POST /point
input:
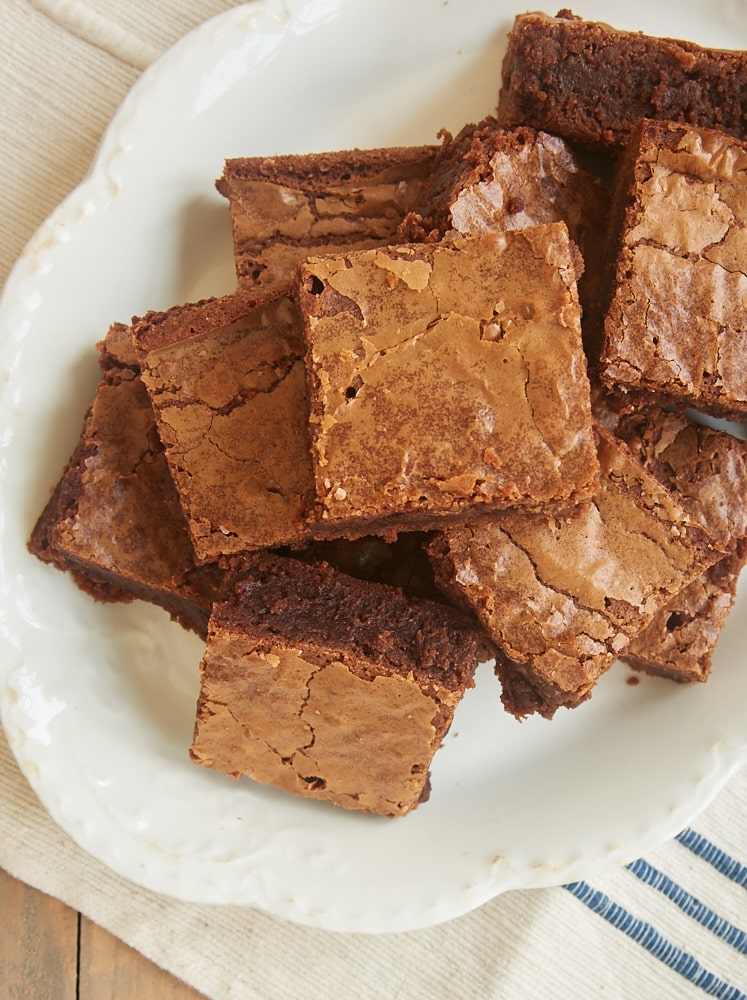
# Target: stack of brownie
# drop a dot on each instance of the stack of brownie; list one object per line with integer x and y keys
{"x": 450, "y": 413}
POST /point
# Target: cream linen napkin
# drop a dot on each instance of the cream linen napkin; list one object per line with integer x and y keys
{"x": 668, "y": 926}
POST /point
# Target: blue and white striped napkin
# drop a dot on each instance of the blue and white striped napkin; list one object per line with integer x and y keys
{"x": 706, "y": 889}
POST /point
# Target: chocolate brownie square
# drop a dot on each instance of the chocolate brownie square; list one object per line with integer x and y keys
{"x": 680, "y": 641}
{"x": 563, "y": 597}
{"x": 676, "y": 327}
{"x": 706, "y": 468}
{"x": 229, "y": 394}
{"x": 446, "y": 380}
{"x": 285, "y": 208}
{"x": 329, "y": 687}
{"x": 592, "y": 83}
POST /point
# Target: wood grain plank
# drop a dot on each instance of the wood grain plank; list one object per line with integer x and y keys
{"x": 110, "y": 968}
{"x": 38, "y": 944}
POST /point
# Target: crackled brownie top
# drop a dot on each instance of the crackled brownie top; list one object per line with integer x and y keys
{"x": 284, "y": 208}
{"x": 447, "y": 378}
{"x": 229, "y": 395}
{"x": 676, "y": 327}
{"x": 329, "y": 687}
{"x": 563, "y": 597}
{"x": 591, "y": 83}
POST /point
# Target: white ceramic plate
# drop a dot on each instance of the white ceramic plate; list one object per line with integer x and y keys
{"x": 98, "y": 701}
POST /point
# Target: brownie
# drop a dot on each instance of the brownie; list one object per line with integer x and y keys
{"x": 229, "y": 394}
{"x": 563, "y": 597}
{"x": 706, "y": 467}
{"x": 676, "y": 326}
{"x": 329, "y": 687}
{"x": 680, "y": 641}
{"x": 284, "y": 208}
{"x": 591, "y": 83}
{"x": 114, "y": 521}
{"x": 446, "y": 380}
{"x": 490, "y": 178}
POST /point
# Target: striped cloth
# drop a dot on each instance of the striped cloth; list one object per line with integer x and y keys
{"x": 672, "y": 924}
{"x": 645, "y": 933}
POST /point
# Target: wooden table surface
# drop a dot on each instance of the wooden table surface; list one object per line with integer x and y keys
{"x": 50, "y": 952}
